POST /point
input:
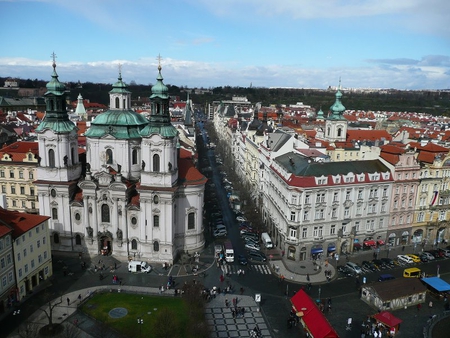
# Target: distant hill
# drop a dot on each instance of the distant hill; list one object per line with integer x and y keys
{"x": 433, "y": 102}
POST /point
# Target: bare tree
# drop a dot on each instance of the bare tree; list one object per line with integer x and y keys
{"x": 51, "y": 328}
{"x": 28, "y": 330}
{"x": 167, "y": 324}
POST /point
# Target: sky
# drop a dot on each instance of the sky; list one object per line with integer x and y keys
{"x": 400, "y": 44}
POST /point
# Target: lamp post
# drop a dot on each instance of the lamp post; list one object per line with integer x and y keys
{"x": 140, "y": 321}
{"x": 438, "y": 266}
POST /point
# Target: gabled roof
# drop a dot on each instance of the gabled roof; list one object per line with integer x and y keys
{"x": 368, "y": 135}
{"x": 18, "y": 150}
{"x": 398, "y": 288}
{"x": 188, "y": 174}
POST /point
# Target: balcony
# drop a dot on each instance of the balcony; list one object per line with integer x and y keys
{"x": 32, "y": 198}
{"x": 32, "y": 210}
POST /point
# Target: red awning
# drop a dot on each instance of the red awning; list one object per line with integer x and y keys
{"x": 313, "y": 319}
{"x": 387, "y": 319}
{"x": 370, "y": 243}
{"x": 380, "y": 242}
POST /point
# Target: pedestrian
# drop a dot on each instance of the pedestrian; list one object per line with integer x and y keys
{"x": 403, "y": 248}
{"x": 419, "y": 306}
{"x": 282, "y": 253}
{"x": 242, "y": 291}
{"x": 329, "y": 300}
{"x": 115, "y": 266}
{"x": 68, "y": 301}
{"x": 307, "y": 277}
{"x": 430, "y": 304}
{"x": 79, "y": 297}
{"x": 234, "y": 302}
{"x": 227, "y": 303}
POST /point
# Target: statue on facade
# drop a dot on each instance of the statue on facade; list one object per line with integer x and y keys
{"x": 88, "y": 167}
{"x": 170, "y": 166}
{"x": 90, "y": 231}
{"x": 119, "y": 234}
{"x": 66, "y": 160}
{"x": 143, "y": 165}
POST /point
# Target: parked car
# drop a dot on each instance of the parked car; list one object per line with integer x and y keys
{"x": 429, "y": 255}
{"x": 345, "y": 271}
{"x": 241, "y": 219}
{"x": 355, "y": 267}
{"x": 388, "y": 262}
{"x": 415, "y": 258}
{"x": 403, "y": 259}
{"x": 435, "y": 253}
{"x": 424, "y": 258}
{"x": 252, "y": 246}
{"x": 444, "y": 252}
{"x": 379, "y": 264}
{"x": 242, "y": 260}
{"x": 220, "y": 233}
{"x": 368, "y": 266}
{"x": 256, "y": 256}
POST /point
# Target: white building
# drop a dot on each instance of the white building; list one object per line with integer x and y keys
{"x": 139, "y": 194}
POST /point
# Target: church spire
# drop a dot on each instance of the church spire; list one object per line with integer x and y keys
{"x": 337, "y": 109}
{"x": 56, "y": 117}
{"x": 159, "y": 121}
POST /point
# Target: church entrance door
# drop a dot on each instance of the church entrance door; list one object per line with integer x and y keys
{"x": 105, "y": 244}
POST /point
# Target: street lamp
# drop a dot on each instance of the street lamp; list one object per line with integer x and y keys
{"x": 140, "y": 321}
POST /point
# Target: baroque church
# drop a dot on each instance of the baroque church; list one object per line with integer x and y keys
{"x": 137, "y": 196}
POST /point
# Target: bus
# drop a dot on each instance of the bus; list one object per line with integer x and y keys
{"x": 412, "y": 272}
{"x": 229, "y": 251}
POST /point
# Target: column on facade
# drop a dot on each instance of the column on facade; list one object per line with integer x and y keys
{"x": 86, "y": 214}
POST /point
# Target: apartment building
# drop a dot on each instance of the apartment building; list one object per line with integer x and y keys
{"x": 18, "y": 165}
{"x": 7, "y": 276}
{"x": 31, "y": 249}
{"x": 317, "y": 208}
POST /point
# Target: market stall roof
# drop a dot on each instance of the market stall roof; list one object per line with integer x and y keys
{"x": 437, "y": 284}
{"x": 387, "y": 319}
{"x": 314, "y": 320}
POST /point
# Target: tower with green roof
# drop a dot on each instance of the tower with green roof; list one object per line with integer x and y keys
{"x": 59, "y": 167}
{"x": 336, "y": 124}
{"x": 159, "y": 141}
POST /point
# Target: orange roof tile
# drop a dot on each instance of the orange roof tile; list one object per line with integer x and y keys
{"x": 18, "y": 150}
{"x": 188, "y": 174}
{"x": 20, "y": 222}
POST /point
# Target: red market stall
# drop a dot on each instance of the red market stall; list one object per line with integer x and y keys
{"x": 311, "y": 317}
{"x": 391, "y": 322}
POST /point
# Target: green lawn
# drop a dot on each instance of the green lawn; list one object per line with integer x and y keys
{"x": 162, "y": 316}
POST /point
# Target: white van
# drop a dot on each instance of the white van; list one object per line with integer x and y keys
{"x": 354, "y": 267}
{"x": 266, "y": 240}
{"x": 138, "y": 266}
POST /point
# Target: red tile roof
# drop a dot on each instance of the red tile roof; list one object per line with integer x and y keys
{"x": 20, "y": 222}
{"x": 188, "y": 174}
{"x": 18, "y": 150}
{"x": 369, "y": 135}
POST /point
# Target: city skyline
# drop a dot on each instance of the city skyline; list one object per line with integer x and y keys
{"x": 209, "y": 43}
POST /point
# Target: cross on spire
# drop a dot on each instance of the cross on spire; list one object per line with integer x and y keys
{"x": 159, "y": 58}
{"x": 53, "y": 55}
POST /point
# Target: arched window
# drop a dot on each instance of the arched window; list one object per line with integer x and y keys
{"x": 55, "y": 213}
{"x": 72, "y": 156}
{"x": 155, "y": 246}
{"x": 109, "y": 156}
{"x": 156, "y": 220}
{"x": 134, "y": 156}
{"x": 328, "y": 131}
{"x": 339, "y": 132}
{"x": 105, "y": 213}
{"x": 124, "y": 102}
{"x": 56, "y": 238}
{"x": 51, "y": 158}
{"x": 117, "y": 102}
{"x": 78, "y": 240}
{"x": 191, "y": 221}
{"x": 134, "y": 244}
{"x": 156, "y": 162}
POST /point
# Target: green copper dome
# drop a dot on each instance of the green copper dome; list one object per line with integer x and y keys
{"x": 120, "y": 86}
{"x": 159, "y": 89}
{"x": 54, "y": 86}
{"x": 56, "y": 118}
{"x": 159, "y": 120}
{"x": 121, "y": 124}
{"x": 337, "y": 109}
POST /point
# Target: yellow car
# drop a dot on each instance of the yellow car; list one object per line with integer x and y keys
{"x": 415, "y": 258}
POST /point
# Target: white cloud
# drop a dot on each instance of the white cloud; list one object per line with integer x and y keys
{"x": 400, "y": 74}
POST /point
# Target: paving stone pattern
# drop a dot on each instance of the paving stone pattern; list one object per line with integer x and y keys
{"x": 223, "y": 324}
